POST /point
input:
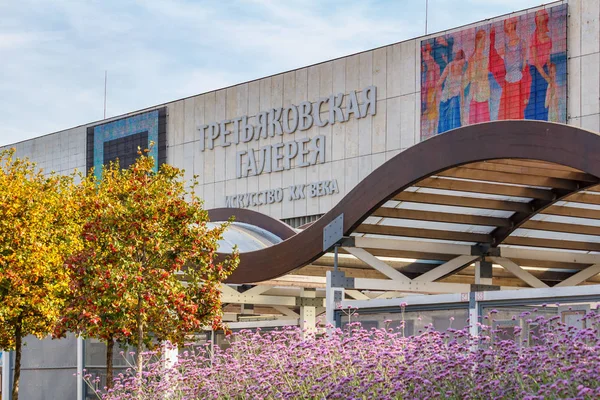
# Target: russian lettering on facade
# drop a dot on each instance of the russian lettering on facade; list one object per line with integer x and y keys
{"x": 294, "y": 192}
{"x": 279, "y": 121}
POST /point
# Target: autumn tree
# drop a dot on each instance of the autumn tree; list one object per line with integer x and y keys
{"x": 38, "y": 229}
{"x": 143, "y": 232}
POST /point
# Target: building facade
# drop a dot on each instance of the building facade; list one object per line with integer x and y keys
{"x": 411, "y": 90}
{"x": 292, "y": 146}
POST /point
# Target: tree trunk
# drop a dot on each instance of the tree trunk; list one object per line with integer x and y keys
{"x": 140, "y": 338}
{"x": 110, "y": 343}
{"x": 18, "y": 346}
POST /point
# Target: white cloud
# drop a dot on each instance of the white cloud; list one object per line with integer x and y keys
{"x": 55, "y": 53}
{"x": 16, "y": 41}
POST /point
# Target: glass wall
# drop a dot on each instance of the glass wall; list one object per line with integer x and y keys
{"x": 95, "y": 363}
{"x": 48, "y": 369}
{"x": 520, "y": 320}
{"x": 201, "y": 343}
{"x": 416, "y": 320}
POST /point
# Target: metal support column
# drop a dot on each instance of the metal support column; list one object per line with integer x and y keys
{"x": 308, "y": 314}
{"x": 473, "y": 314}
{"x": 308, "y": 320}
{"x": 333, "y": 297}
{"x": 7, "y": 375}
{"x": 333, "y": 234}
{"x": 213, "y": 342}
{"x": 483, "y": 273}
{"x": 80, "y": 366}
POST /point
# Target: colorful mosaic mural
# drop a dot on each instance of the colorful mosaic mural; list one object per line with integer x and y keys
{"x": 515, "y": 68}
{"x": 121, "y": 138}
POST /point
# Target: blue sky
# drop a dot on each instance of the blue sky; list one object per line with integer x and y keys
{"x": 53, "y": 53}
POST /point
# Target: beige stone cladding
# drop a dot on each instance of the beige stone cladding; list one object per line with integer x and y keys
{"x": 352, "y": 149}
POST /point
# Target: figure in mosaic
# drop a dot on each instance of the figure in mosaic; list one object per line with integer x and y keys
{"x": 512, "y": 68}
{"x": 512, "y": 73}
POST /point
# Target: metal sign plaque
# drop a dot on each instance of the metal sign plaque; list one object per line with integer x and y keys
{"x": 333, "y": 232}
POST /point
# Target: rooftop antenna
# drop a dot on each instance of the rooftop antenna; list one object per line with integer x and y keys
{"x": 105, "y": 79}
{"x": 426, "y": 14}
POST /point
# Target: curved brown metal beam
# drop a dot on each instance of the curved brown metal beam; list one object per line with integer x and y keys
{"x": 273, "y": 225}
{"x": 557, "y": 143}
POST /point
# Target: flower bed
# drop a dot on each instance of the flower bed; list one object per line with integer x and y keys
{"x": 562, "y": 363}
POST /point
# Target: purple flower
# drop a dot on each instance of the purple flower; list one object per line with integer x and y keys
{"x": 352, "y": 363}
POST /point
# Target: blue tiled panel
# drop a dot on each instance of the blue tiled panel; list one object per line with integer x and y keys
{"x": 146, "y": 122}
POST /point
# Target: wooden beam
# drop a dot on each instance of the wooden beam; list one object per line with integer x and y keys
{"x": 565, "y": 211}
{"x": 545, "y": 275}
{"x": 229, "y": 295}
{"x": 415, "y": 287}
{"x": 411, "y": 270}
{"x": 510, "y": 166}
{"x": 230, "y": 316}
{"x": 551, "y": 271}
{"x": 234, "y": 310}
{"x": 414, "y": 264}
{"x": 580, "y": 276}
{"x": 470, "y": 279}
{"x": 377, "y": 264}
{"x": 561, "y": 264}
{"x": 487, "y": 188}
{"x": 417, "y": 255}
{"x": 446, "y": 249}
{"x": 462, "y": 201}
{"x": 228, "y": 290}
{"x": 505, "y": 177}
{"x": 585, "y": 198}
{"x": 297, "y": 280}
{"x": 536, "y": 164}
{"x": 434, "y": 216}
{"x": 548, "y": 255}
{"x": 560, "y": 227}
{"x": 347, "y": 262}
{"x": 260, "y": 299}
{"x": 286, "y": 311}
{"x": 412, "y": 245}
{"x": 519, "y": 272}
{"x": 505, "y": 279}
{"x": 502, "y": 277}
{"x": 258, "y": 289}
{"x": 537, "y": 205}
{"x": 445, "y": 269}
{"x": 552, "y": 243}
{"x": 390, "y": 295}
{"x": 294, "y": 284}
{"x": 356, "y": 294}
{"x": 424, "y": 233}
{"x": 541, "y": 259}
{"x": 314, "y": 270}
